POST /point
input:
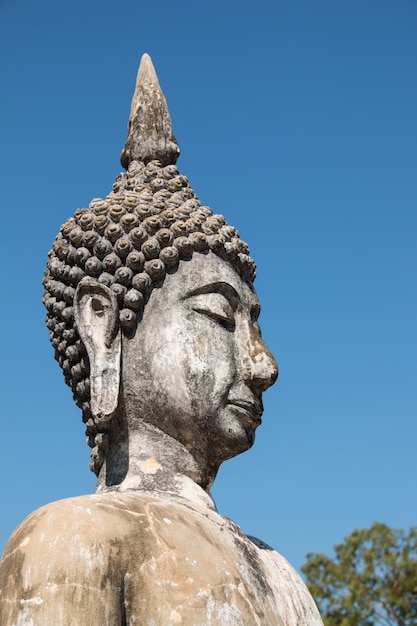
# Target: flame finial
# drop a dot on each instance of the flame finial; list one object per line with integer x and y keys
{"x": 150, "y": 133}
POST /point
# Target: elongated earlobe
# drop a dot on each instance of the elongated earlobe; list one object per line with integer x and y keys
{"x": 97, "y": 318}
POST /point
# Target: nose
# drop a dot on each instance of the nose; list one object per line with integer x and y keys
{"x": 259, "y": 368}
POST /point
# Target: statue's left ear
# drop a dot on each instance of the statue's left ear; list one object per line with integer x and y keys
{"x": 97, "y": 317}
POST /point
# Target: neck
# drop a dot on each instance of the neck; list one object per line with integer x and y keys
{"x": 147, "y": 459}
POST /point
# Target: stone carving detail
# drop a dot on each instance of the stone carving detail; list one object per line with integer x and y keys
{"x": 150, "y": 221}
{"x": 153, "y": 317}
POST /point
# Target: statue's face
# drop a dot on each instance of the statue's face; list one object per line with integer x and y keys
{"x": 197, "y": 366}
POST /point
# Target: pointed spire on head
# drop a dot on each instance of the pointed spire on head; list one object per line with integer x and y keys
{"x": 149, "y": 134}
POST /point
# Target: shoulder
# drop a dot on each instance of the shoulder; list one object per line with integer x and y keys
{"x": 63, "y": 561}
{"x": 73, "y": 524}
{"x": 295, "y": 600}
{"x": 53, "y": 523}
{"x": 54, "y": 539}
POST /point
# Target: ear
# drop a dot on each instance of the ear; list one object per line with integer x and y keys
{"x": 97, "y": 317}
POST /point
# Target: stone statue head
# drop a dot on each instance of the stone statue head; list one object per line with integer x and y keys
{"x": 147, "y": 292}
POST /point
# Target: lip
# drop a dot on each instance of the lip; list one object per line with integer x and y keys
{"x": 250, "y": 411}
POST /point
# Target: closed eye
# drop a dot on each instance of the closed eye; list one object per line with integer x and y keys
{"x": 216, "y": 307}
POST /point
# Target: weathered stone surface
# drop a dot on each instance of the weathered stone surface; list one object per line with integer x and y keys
{"x": 150, "y": 130}
{"x": 153, "y": 317}
{"x": 135, "y": 558}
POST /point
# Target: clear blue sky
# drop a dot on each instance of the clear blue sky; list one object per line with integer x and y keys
{"x": 297, "y": 120}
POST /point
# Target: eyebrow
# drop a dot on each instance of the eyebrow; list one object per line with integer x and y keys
{"x": 222, "y": 288}
{"x": 226, "y": 290}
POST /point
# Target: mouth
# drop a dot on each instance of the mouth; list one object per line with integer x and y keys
{"x": 250, "y": 412}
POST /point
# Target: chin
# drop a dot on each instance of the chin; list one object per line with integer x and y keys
{"x": 233, "y": 441}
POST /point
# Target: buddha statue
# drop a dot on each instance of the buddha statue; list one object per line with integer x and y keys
{"x": 153, "y": 317}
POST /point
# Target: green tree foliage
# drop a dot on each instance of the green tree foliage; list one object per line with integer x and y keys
{"x": 371, "y": 580}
